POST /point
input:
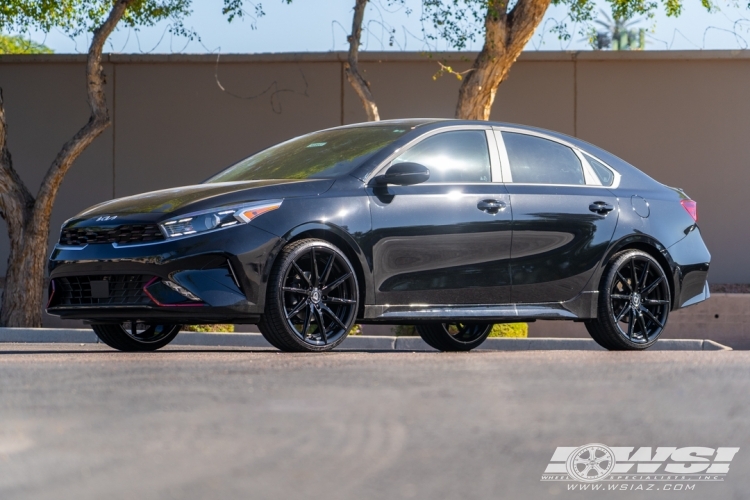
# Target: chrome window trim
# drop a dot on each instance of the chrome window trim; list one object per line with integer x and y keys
{"x": 590, "y": 177}
{"x": 386, "y": 163}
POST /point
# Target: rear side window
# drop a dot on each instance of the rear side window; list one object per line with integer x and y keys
{"x": 604, "y": 174}
{"x": 458, "y": 156}
{"x": 534, "y": 160}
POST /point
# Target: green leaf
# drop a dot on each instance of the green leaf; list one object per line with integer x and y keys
{"x": 74, "y": 17}
{"x": 20, "y": 45}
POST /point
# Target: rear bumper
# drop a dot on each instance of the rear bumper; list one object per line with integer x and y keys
{"x": 704, "y": 295}
{"x": 692, "y": 260}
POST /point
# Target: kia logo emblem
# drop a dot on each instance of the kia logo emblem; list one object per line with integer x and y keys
{"x": 105, "y": 218}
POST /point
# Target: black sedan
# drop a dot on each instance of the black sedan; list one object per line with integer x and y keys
{"x": 448, "y": 225}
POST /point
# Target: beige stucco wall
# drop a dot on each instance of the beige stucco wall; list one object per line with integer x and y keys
{"x": 683, "y": 117}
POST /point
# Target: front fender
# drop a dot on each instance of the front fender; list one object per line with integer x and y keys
{"x": 339, "y": 237}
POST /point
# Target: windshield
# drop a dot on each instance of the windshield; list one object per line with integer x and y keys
{"x": 320, "y": 155}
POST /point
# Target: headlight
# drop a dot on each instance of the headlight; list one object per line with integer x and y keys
{"x": 218, "y": 218}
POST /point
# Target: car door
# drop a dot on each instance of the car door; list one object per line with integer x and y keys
{"x": 447, "y": 240}
{"x": 563, "y": 217}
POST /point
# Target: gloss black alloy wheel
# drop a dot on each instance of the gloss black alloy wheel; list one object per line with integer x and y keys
{"x": 312, "y": 299}
{"x": 454, "y": 336}
{"x": 634, "y": 303}
{"x": 136, "y": 335}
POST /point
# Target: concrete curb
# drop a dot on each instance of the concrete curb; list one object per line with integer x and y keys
{"x": 370, "y": 343}
{"x": 48, "y": 335}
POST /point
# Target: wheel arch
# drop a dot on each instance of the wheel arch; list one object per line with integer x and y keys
{"x": 653, "y": 248}
{"x": 342, "y": 240}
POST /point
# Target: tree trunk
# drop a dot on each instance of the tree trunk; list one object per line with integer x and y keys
{"x": 16, "y": 206}
{"x": 24, "y": 281}
{"x": 359, "y": 84}
{"x": 506, "y": 34}
{"x": 28, "y": 219}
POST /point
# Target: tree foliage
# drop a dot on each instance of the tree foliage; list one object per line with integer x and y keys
{"x": 79, "y": 16}
{"x": 20, "y": 45}
{"x": 462, "y": 22}
{"x": 505, "y": 27}
{"x": 242, "y": 9}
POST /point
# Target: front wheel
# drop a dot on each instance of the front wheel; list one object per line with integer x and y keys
{"x": 634, "y": 303}
{"x": 312, "y": 298}
{"x": 454, "y": 336}
{"x": 136, "y": 336}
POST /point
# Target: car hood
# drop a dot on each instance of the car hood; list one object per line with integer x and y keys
{"x": 202, "y": 196}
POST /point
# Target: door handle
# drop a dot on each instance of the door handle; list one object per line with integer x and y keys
{"x": 491, "y": 206}
{"x": 601, "y": 207}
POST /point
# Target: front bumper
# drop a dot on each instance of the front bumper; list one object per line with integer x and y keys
{"x": 225, "y": 271}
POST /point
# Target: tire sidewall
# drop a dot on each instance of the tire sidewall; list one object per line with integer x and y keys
{"x": 284, "y": 262}
{"x": 606, "y": 292}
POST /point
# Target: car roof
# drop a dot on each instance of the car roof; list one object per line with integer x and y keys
{"x": 451, "y": 122}
{"x": 436, "y": 123}
{"x": 403, "y": 122}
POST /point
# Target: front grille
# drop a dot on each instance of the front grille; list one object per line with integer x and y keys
{"x": 124, "y": 290}
{"x": 122, "y": 235}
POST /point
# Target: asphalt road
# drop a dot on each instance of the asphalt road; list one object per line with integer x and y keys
{"x": 84, "y": 422}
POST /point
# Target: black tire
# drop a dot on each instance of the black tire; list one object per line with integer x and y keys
{"x": 634, "y": 303}
{"x": 312, "y": 283}
{"x": 454, "y": 336}
{"x": 146, "y": 337}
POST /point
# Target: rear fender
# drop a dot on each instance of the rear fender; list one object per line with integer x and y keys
{"x": 652, "y": 247}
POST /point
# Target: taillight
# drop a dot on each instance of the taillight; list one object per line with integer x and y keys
{"x": 691, "y": 207}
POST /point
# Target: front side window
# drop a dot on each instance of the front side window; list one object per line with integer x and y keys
{"x": 457, "y": 156}
{"x": 534, "y": 160}
{"x": 320, "y": 155}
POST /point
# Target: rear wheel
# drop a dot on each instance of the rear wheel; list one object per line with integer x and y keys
{"x": 312, "y": 298}
{"x": 634, "y": 303}
{"x": 136, "y": 336}
{"x": 454, "y": 336}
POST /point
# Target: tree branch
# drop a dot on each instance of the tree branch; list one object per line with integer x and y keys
{"x": 444, "y": 68}
{"x": 360, "y": 85}
{"x": 496, "y": 28}
{"x": 97, "y": 123}
{"x": 523, "y": 20}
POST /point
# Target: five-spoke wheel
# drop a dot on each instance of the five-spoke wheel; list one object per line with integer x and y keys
{"x": 454, "y": 336}
{"x": 312, "y": 298}
{"x": 634, "y": 303}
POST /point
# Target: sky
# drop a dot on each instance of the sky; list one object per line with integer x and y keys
{"x": 322, "y": 25}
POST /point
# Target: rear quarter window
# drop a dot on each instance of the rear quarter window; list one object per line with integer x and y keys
{"x": 604, "y": 174}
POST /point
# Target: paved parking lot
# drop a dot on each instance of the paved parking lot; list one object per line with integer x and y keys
{"x": 85, "y": 422}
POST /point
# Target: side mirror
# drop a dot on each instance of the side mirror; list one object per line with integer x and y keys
{"x": 404, "y": 174}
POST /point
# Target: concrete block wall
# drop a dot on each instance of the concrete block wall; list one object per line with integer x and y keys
{"x": 679, "y": 116}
